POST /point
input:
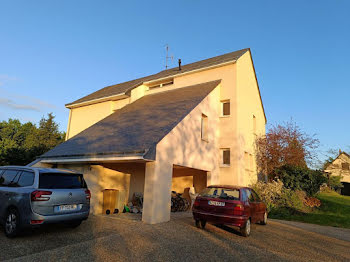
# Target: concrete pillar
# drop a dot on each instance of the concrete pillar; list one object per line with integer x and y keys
{"x": 157, "y": 199}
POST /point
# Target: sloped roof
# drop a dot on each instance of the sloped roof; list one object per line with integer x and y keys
{"x": 125, "y": 86}
{"x": 137, "y": 127}
{"x": 331, "y": 163}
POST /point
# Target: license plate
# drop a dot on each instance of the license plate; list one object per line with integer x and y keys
{"x": 216, "y": 203}
{"x": 67, "y": 207}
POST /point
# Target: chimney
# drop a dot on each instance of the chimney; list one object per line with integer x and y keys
{"x": 340, "y": 151}
{"x": 179, "y": 64}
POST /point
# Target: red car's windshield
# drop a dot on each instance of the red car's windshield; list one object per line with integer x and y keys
{"x": 222, "y": 193}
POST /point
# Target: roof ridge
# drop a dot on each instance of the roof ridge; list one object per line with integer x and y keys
{"x": 123, "y": 87}
{"x": 244, "y": 49}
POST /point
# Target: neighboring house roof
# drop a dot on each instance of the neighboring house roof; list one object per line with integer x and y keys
{"x": 122, "y": 88}
{"x": 344, "y": 154}
{"x": 331, "y": 163}
{"x": 136, "y": 128}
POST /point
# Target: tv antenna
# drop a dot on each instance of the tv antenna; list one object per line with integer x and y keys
{"x": 167, "y": 56}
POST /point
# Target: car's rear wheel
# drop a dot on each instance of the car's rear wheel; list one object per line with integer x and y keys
{"x": 245, "y": 230}
{"x": 12, "y": 223}
{"x": 264, "y": 221}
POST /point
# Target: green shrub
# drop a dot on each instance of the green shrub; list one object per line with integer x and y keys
{"x": 301, "y": 178}
{"x": 334, "y": 183}
{"x": 269, "y": 192}
{"x": 291, "y": 200}
{"x": 277, "y": 197}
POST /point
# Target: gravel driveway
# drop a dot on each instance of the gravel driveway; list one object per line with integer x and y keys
{"x": 114, "y": 239}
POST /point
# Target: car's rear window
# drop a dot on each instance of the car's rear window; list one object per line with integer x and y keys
{"x": 222, "y": 193}
{"x": 61, "y": 181}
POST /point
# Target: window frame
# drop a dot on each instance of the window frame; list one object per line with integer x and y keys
{"x": 43, "y": 180}
{"x": 222, "y": 103}
{"x": 222, "y": 150}
{"x": 249, "y": 194}
{"x": 20, "y": 176}
{"x": 161, "y": 84}
{"x": 204, "y": 128}
{"x": 255, "y": 195}
{"x": 254, "y": 125}
{"x": 205, "y": 193}
{"x": 15, "y": 178}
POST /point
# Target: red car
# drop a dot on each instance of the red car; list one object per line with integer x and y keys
{"x": 229, "y": 205}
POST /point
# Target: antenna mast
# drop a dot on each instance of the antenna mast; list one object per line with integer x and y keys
{"x": 167, "y": 56}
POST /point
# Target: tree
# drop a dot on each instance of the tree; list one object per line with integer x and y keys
{"x": 301, "y": 178}
{"x": 20, "y": 143}
{"x": 283, "y": 145}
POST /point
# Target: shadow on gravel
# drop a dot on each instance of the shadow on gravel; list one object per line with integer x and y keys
{"x": 229, "y": 229}
{"x": 44, "y": 229}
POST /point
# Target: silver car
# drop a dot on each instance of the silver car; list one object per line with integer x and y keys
{"x": 30, "y": 197}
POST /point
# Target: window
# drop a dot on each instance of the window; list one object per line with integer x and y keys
{"x": 204, "y": 128}
{"x": 225, "y": 156}
{"x": 61, "y": 181}
{"x": 225, "y": 107}
{"x": 26, "y": 179}
{"x": 250, "y": 196}
{"x": 345, "y": 166}
{"x": 223, "y": 193}
{"x": 254, "y": 125}
{"x": 244, "y": 195}
{"x": 168, "y": 83}
{"x": 8, "y": 178}
{"x": 256, "y": 196}
{"x": 246, "y": 161}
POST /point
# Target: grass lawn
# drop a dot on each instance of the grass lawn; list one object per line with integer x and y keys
{"x": 334, "y": 211}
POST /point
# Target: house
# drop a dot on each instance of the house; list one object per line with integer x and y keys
{"x": 190, "y": 126}
{"x": 341, "y": 167}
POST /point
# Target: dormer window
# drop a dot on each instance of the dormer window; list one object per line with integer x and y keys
{"x": 167, "y": 83}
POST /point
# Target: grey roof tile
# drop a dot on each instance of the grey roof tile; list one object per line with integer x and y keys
{"x": 137, "y": 127}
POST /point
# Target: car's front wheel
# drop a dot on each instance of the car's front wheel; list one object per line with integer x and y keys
{"x": 245, "y": 230}
{"x": 12, "y": 223}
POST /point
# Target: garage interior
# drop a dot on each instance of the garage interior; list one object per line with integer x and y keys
{"x": 129, "y": 179}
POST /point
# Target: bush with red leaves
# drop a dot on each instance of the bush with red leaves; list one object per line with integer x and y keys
{"x": 312, "y": 202}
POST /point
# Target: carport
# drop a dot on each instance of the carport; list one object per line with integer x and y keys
{"x": 150, "y": 146}
{"x": 185, "y": 178}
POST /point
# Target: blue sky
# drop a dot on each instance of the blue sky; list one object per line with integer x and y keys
{"x": 54, "y": 52}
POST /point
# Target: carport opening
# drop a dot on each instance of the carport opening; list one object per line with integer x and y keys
{"x": 346, "y": 189}
{"x": 188, "y": 182}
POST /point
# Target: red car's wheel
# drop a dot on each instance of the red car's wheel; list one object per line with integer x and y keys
{"x": 245, "y": 230}
{"x": 200, "y": 223}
